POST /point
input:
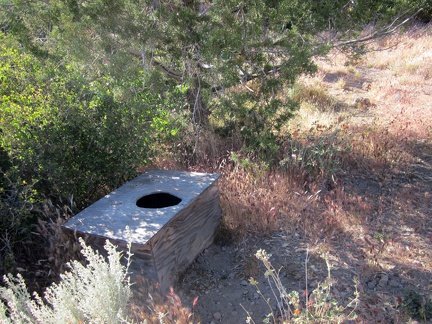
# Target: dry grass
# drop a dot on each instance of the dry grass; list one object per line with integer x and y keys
{"x": 347, "y": 164}
{"x": 278, "y": 201}
{"x": 408, "y": 53}
{"x": 347, "y": 179}
{"x": 148, "y": 306}
{"x": 404, "y": 95}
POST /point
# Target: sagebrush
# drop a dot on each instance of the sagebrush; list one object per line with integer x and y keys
{"x": 94, "y": 293}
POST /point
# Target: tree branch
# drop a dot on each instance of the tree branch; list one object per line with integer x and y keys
{"x": 169, "y": 72}
{"x": 379, "y": 34}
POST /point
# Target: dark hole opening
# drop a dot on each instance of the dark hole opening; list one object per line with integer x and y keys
{"x": 158, "y": 200}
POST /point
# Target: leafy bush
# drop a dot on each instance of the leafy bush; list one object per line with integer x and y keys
{"x": 95, "y": 293}
{"x": 253, "y": 124}
{"x": 72, "y": 135}
{"x": 67, "y": 136}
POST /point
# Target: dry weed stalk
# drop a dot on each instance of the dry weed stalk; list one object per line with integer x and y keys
{"x": 61, "y": 248}
{"x": 317, "y": 306}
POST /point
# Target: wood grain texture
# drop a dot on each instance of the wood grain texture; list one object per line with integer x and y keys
{"x": 165, "y": 241}
{"x": 180, "y": 241}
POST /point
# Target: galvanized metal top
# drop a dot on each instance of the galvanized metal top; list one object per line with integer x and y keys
{"x": 113, "y": 214}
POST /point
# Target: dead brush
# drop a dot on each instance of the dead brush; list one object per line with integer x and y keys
{"x": 376, "y": 151}
{"x": 249, "y": 203}
{"x": 153, "y": 308}
{"x": 274, "y": 200}
{"x": 330, "y": 214}
{"x": 314, "y": 94}
{"x": 317, "y": 153}
{"x": 61, "y": 248}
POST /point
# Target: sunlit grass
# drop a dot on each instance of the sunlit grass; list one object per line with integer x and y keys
{"x": 332, "y": 141}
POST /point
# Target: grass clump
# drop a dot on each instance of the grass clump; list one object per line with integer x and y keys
{"x": 314, "y": 94}
{"x": 318, "y": 152}
{"x": 97, "y": 293}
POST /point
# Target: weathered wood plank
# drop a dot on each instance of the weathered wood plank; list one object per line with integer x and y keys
{"x": 192, "y": 230}
{"x": 165, "y": 240}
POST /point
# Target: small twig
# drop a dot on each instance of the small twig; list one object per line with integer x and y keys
{"x": 143, "y": 55}
{"x": 249, "y": 317}
{"x": 194, "y": 114}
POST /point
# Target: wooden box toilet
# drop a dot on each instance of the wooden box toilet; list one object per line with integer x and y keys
{"x": 169, "y": 217}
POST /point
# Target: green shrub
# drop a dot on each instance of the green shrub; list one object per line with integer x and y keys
{"x": 67, "y": 136}
{"x": 74, "y": 135}
{"x": 95, "y": 293}
{"x": 253, "y": 124}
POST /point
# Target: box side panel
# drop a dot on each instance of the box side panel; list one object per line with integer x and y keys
{"x": 143, "y": 265}
{"x": 180, "y": 241}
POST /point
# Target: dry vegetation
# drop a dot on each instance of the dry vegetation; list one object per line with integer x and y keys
{"x": 355, "y": 174}
{"x": 369, "y": 121}
{"x": 354, "y": 179}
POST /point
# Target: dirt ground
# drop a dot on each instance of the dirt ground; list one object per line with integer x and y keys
{"x": 387, "y": 256}
{"x": 393, "y": 269}
{"x": 388, "y": 259}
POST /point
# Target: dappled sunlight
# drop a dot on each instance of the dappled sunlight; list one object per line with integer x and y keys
{"x": 373, "y": 216}
{"x": 329, "y": 171}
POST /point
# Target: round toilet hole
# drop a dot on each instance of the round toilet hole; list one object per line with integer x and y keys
{"x": 158, "y": 200}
